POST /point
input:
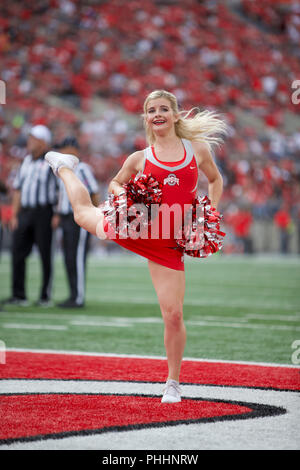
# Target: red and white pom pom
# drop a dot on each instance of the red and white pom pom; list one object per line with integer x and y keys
{"x": 140, "y": 190}
{"x": 202, "y": 236}
{"x": 143, "y": 189}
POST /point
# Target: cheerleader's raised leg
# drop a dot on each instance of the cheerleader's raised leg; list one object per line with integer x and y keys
{"x": 86, "y": 215}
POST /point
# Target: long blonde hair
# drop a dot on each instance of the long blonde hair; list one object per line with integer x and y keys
{"x": 195, "y": 125}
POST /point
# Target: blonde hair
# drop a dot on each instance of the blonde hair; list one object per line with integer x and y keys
{"x": 195, "y": 125}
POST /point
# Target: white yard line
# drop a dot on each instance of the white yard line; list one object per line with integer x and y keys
{"x": 35, "y": 326}
{"x": 243, "y": 325}
{"x": 263, "y": 316}
{"x": 100, "y": 324}
{"x": 139, "y": 356}
{"x": 127, "y": 322}
{"x": 69, "y": 316}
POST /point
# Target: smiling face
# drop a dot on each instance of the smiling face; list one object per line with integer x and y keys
{"x": 160, "y": 117}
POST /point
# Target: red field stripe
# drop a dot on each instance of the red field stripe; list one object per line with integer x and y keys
{"x": 32, "y": 415}
{"x": 32, "y": 365}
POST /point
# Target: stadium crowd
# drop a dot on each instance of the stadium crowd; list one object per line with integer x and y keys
{"x": 239, "y": 59}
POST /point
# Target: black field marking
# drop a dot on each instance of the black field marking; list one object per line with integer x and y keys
{"x": 273, "y": 389}
{"x": 257, "y": 411}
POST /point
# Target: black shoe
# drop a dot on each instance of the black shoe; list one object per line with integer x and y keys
{"x": 18, "y": 301}
{"x": 69, "y": 303}
{"x": 44, "y": 303}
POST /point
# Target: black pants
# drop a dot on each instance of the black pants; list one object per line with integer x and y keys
{"x": 75, "y": 248}
{"x": 34, "y": 227}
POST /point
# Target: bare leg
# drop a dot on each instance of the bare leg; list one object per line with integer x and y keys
{"x": 86, "y": 214}
{"x": 170, "y": 287}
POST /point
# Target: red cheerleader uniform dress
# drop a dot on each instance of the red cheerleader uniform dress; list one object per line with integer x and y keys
{"x": 179, "y": 187}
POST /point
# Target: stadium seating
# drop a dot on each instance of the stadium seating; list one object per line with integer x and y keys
{"x": 60, "y": 58}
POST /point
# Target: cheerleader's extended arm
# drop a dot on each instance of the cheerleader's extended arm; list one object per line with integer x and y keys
{"x": 132, "y": 165}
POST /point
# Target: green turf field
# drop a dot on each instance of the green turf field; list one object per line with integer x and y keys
{"x": 245, "y": 309}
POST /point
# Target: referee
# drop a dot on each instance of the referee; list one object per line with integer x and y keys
{"x": 35, "y": 194}
{"x": 75, "y": 239}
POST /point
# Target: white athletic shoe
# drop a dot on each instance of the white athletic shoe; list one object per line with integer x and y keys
{"x": 172, "y": 392}
{"x": 59, "y": 160}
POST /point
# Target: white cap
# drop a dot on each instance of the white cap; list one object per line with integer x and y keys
{"x": 41, "y": 132}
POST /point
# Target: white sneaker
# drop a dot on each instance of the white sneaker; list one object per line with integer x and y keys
{"x": 59, "y": 160}
{"x": 172, "y": 392}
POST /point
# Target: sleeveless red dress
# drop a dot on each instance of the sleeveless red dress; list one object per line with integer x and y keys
{"x": 179, "y": 180}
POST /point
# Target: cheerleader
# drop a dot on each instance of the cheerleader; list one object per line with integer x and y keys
{"x": 179, "y": 147}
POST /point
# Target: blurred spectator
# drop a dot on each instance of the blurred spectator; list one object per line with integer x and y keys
{"x": 241, "y": 221}
{"x": 239, "y": 58}
{"x": 283, "y": 221}
{"x": 3, "y": 190}
{"x": 298, "y": 227}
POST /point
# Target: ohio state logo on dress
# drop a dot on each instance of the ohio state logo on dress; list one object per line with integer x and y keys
{"x": 171, "y": 180}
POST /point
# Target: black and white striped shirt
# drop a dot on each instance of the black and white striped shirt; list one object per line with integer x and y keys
{"x": 37, "y": 183}
{"x": 85, "y": 174}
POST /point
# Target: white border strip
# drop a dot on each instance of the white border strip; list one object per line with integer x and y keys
{"x": 97, "y": 354}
